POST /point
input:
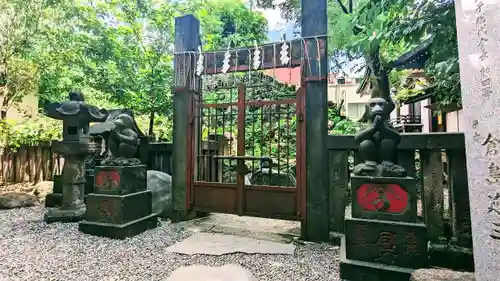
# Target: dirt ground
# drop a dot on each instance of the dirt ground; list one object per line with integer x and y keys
{"x": 17, "y": 187}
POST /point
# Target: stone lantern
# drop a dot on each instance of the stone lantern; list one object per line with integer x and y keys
{"x": 76, "y": 147}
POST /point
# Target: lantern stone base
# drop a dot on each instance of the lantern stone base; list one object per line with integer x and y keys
{"x": 53, "y": 200}
{"x": 65, "y": 215}
{"x": 119, "y": 231}
{"x": 353, "y": 270}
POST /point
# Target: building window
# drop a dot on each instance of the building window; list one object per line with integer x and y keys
{"x": 341, "y": 81}
{"x": 415, "y": 109}
{"x": 359, "y": 80}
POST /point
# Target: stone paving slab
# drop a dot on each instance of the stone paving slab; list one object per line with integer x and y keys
{"x": 220, "y": 244}
{"x": 435, "y": 274}
{"x": 228, "y": 272}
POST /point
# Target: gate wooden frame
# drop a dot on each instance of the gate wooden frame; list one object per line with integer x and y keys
{"x": 313, "y": 181}
{"x": 237, "y": 198}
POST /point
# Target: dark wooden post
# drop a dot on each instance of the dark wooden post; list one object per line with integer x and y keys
{"x": 314, "y": 23}
{"x": 187, "y": 39}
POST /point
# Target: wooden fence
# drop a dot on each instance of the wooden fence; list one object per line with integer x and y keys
{"x": 39, "y": 163}
{"x": 429, "y": 150}
{"x": 29, "y": 164}
{"x": 160, "y": 156}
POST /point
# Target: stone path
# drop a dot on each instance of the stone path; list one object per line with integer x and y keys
{"x": 221, "y": 234}
{"x": 220, "y": 244}
{"x": 229, "y": 272}
{"x": 251, "y": 227}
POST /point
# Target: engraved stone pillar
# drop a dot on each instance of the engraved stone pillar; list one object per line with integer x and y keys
{"x": 479, "y": 45}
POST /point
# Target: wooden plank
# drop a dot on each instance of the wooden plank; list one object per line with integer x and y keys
{"x": 459, "y": 195}
{"x": 406, "y": 159}
{"x": 46, "y": 161}
{"x": 357, "y": 157}
{"x": 409, "y": 141}
{"x": 38, "y": 164}
{"x": 11, "y": 167}
{"x": 18, "y": 166}
{"x": 166, "y": 160}
{"x": 32, "y": 155}
{"x": 160, "y": 146}
{"x": 187, "y": 38}
{"x": 314, "y": 69}
{"x": 3, "y": 164}
{"x": 433, "y": 201}
{"x": 144, "y": 149}
{"x": 338, "y": 183}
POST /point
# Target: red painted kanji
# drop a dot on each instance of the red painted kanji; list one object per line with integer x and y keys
{"x": 107, "y": 179}
{"x": 388, "y": 198}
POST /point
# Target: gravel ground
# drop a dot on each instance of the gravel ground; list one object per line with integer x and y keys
{"x": 33, "y": 250}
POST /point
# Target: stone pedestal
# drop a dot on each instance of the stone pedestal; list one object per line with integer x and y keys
{"x": 72, "y": 207}
{"x": 120, "y": 206}
{"x": 383, "y": 238}
{"x": 54, "y": 199}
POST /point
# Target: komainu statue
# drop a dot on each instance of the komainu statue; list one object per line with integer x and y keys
{"x": 378, "y": 142}
{"x": 123, "y": 142}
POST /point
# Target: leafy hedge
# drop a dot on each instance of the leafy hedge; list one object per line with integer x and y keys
{"x": 35, "y": 131}
{"x": 42, "y": 130}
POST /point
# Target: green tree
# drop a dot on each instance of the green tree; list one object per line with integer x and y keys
{"x": 380, "y": 31}
{"x": 19, "y": 25}
{"x": 123, "y": 48}
{"x": 225, "y": 22}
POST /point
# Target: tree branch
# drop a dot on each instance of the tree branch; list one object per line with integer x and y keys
{"x": 357, "y": 29}
{"x": 343, "y": 7}
{"x": 28, "y": 35}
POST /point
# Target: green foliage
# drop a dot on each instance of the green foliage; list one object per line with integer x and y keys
{"x": 22, "y": 80}
{"x": 18, "y": 30}
{"x": 225, "y": 22}
{"x": 405, "y": 86}
{"x": 162, "y": 124}
{"x": 338, "y": 125}
{"x": 389, "y": 28}
{"x": 36, "y": 131}
{"x": 118, "y": 53}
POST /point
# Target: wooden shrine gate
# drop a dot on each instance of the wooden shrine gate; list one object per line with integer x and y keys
{"x": 259, "y": 168}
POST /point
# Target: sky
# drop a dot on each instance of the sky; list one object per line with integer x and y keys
{"x": 277, "y": 26}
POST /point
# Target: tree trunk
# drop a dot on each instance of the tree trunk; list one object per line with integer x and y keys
{"x": 379, "y": 79}
{"x": 3, "y": 91}
{"x": 151, "y": 124}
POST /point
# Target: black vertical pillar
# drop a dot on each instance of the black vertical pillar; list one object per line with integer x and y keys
{"x": 187, "y": 39}
{"x": 315, "y": 72}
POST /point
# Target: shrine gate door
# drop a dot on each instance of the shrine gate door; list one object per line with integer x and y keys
{"x": 259, "y": 165}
